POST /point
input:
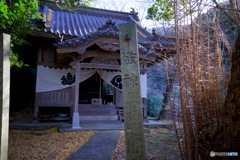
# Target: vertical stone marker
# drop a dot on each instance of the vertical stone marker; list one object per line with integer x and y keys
{"x": 132, "y": 102}
{"x": 4, "y": 92}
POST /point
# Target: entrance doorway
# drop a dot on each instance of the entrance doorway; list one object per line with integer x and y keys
{"x": 95, "y": 88}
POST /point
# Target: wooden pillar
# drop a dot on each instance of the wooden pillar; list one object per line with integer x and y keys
{"x": 76, "y": 117}
{"x": 4, "y": 93}
{"x": 132, "y": 101}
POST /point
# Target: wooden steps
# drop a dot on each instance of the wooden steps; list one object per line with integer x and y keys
{"x": 99, "y": 118}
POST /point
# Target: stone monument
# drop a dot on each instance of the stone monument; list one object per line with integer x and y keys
{"x": 4, "y": 93}
{"x": 132, "y": 101}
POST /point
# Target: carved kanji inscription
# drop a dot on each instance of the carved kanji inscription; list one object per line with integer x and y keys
{"x": 132, "y": 101}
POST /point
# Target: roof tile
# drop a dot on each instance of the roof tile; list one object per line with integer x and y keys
{"x": 85, "y": 22}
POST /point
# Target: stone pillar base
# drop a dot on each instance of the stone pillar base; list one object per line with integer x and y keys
{"x": 35, "y": 120}
{"x": 76, "y": 120}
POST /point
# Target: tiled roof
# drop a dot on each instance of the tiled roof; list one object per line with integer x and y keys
{"x": 84, "y": 22}
{"x": 109, "y": 30}
{"x": 80, "y": 22}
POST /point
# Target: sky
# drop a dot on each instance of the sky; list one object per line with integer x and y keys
{"x": 139, "y": 6}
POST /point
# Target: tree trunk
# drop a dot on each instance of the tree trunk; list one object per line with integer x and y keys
{"x": 230, "y": 131}
{"x": 166, "y": 97}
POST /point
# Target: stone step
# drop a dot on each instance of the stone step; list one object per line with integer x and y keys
{"x": 97, "y": 117}
{"x": 98, "y": 111}
{"x": 95, "y": 106}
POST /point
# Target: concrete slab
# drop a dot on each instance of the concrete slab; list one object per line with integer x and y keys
{"x": 28, "y": 124}
{"x": 96, "y": 125}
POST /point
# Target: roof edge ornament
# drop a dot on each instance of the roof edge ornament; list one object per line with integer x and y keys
{"x": 134, "y": 13}
{"x": 154, "y": 35}
{"x": 110, "y": 24}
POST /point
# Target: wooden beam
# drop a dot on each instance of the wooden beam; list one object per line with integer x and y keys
{"x": 81, "y": 47}
{"x": 102, "y": 54}
{"x": 101, "y": 66}
{"x": 75, "y": 117}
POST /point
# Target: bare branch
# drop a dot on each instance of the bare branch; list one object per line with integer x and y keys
{"x": 235, "y": 20}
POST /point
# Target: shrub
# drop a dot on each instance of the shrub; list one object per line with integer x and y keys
{"x": 154, "y": 103}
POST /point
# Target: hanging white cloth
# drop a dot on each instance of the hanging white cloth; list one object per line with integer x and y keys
{"x": 86, "y": 73}
{"x": 108, "y": 76}
{"x": 50, "y": 79}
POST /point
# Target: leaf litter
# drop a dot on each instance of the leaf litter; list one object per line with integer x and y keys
{"x": 161, "y": 144}
{"x": 45, "y": 144}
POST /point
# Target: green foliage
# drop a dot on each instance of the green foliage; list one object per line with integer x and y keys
{"x": 161, "y": 9}
{"x": 15, "y": 60}
{"x": 78, "y": 3}
{"x": 165, "y": 9}
{"x": 65, "y": 4}
{"x": 154, "y": 103}
{"x": 15, "y": 17}
{"x": 157, "y": 77}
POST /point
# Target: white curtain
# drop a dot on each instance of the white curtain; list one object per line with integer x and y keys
{"x": 86, "y": 73}
{"x": 107, "y": 76}
{"x": 50, "y": 79}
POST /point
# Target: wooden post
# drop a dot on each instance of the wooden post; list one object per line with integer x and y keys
{"x": 76, "y": 117}
{"x": 132, "y": 102}
{"x": 4, "y": 93}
